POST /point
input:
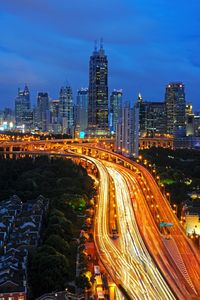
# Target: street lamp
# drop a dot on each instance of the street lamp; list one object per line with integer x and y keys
{"x": 175, "y": 209}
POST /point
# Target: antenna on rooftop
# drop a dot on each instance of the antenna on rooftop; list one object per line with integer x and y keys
{"x": 101, "y": 43}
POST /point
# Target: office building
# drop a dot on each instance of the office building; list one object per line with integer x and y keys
{"x": 55, "y": 126}
{"x": 175, "y": 109}
{"x": 66, "y": 110}
{"x": 81, "y": 111}
{"x": 125, "y": 132}
{"x": 136, "y": 127}
{"x": 115, "y": 112}
{"x": 190, "y": 124}
{"x": 152, "y": 118}
{"x": 98, "y": 93}
{"x": 197, "y": 124}
{"x": 43, "y": 111}
{"x": 23, "y": 109}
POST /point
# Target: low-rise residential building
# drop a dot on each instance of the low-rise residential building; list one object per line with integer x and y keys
{"x": 20, "y": 228}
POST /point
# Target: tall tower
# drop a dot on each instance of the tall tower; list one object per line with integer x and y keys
{"x": 22, "y": 106}
{"x": 124, "y": 141}
{"x": 54, "y": 117}
{"x": 115, "y": 109}
{"x": 82, "y": 110}
{"x": 66, "y": 110}
{"x": 175, "y": 108}
{"x": 98, "y": 93}
{"x": 42, "y": 111}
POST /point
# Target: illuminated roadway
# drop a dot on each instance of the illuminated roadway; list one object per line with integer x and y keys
{"x": 176, "y": 258}
{"x": 141, "y": 266}
{"x": 127, "y": 259}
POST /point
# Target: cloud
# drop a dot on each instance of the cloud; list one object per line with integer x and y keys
{"x": 148, "y": 42}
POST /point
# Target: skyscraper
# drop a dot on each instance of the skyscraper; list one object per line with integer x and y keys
{"x": 125, "y": 132}
{"x": 22, "y": 107}
{"x": 175, "y": 108}
{"x": 55, "y": 125}
{"x": 190, "y": 127}
{"x": 82, "y": 110}
{"x": 66, "y": 110}
{"x": 98, "y": 93}
{"x": 115, "y": 112}
{"x": 152, "y": 118}
{"x": 42, "y": 111}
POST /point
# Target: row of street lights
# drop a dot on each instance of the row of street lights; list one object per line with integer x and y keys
{"x": 157, "y": 177}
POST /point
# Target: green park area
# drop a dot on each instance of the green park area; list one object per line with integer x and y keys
{"x": 179, "y": 170}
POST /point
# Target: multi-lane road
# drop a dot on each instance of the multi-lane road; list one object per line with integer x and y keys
{"x": 129, "y": 259}
{"x": 126, "y": 259}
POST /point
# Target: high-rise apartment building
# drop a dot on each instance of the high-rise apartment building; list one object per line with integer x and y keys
{"x": 124, "y": 142}
{"x": 190, "y": 121}
{"x": 152, "y": 118}
{"x": 98, "y": 93}
{"x": 81, "y": 119}
{"x": 23, "y": 108}
{"x": 66, "y": 110}
{"x": 43, "y": 111}
{"x": 175, "y": 108}
{"x": 115, "y": 112}
{"x": 55, "y": 125}
{"x": 136, "y": 127}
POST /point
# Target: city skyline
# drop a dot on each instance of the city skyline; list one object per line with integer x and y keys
{"x": 48, "y": 47}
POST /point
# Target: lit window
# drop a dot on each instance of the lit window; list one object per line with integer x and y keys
{"x": 21, "y": 298}
{"x": 10, "y": 298}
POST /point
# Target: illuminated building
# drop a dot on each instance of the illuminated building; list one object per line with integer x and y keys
{"x": 98, "y": 93}
{"x": 136, "y": 126}
{"x": 197, "y": 124}
{"x": 115, "y": 112}
{"x": 190, "y": 130}
{"x": 175, "y": 108}
{"x": 66, "y": 110}
{"x": 55, "y": 125}
{"x": 22, "y": 108}
{"x": 152, "y": 117}
{"x": 190, "y": 213}
{"x": 125, "y": 132}
{"x": 82, "y": 110}
{"x": 42, "y": 111}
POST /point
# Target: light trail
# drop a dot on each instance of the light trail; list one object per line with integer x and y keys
{"x": 151, "y": 283}
{"x": 180, "y": 281}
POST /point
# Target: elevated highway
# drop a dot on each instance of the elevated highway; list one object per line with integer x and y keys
{"x": 180, "y": 268}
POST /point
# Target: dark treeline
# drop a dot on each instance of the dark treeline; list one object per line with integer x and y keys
{"x": 29, "y": 178}
{"x": 179, "y": 170}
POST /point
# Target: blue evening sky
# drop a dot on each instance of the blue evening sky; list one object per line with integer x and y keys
{"x": 149, "y": 43}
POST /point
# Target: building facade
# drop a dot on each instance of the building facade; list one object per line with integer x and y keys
{"x": 175, "y": 108}
{"x": 66, "y": 110}
{"x": 55, "y": 126}
{"x": 43, "y": 111}
{"x": 125, "y": 132}
{"x": 98, "y": 93}
{"x": 81, "y": 118}
{"x": 115, "y": 112}
{"x": 23, "y": 108}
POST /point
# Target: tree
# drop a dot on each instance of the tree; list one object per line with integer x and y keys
{"x": 58, "y": 243}
{"x": 49, "y": 271}
{"x": 83, "y": 281}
